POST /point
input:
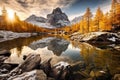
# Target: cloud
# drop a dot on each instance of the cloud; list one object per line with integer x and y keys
{"x": 25, "y": 8}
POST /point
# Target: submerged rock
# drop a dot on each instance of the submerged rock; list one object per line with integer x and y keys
{"x": 2, "y": 59}
{"x": 116, "y": 77}
{"x": 6, "y": 67}
{"x": 32, "y": 75}
{"x": 5, "y": 53}
{"x": 100, "y": 75}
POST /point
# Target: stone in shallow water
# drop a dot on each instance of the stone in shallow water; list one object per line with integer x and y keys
{"x": 31, "y": 62}
{"x": 5, "y": 53}
{"x": 32, "y": 75}
{"x": 117, "y": 77}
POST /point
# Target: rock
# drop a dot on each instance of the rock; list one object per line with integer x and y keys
{"x": 80, "y": 75}
{"x": 5, "y": 53}
{"x": 32, "y": 62}
{"x": 46, "y": 67}
{"x": 1, "y": 36}
{"x": 58, "y": 18}
{"x": 2, "y": 59}
{"x": 60, "y": 64}
{"x": 100, "y": 75}
{"x": 49, "y": 78}
{"x": 116, "y": 77}
{"x": 6, "y": 67}
{"x": 62, "y": 71}
{"x": 9, "y": 35}
{"x": 89, "y": 79}
{"x": 32, "y": 75}
{"x": 107, "y": 38}
{"x": 79, "y": 66}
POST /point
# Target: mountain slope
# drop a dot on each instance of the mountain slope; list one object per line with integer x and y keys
{"x": 76, "y": 20}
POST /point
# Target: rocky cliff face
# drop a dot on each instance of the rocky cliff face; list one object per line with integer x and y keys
{"x": 58, "y": 18}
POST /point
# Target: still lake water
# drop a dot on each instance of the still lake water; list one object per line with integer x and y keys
{"x": 60, "y": 49}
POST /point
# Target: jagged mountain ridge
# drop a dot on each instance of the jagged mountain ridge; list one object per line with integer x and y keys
{"x": 35, "y": 18}
{"x": 56, "y": 19}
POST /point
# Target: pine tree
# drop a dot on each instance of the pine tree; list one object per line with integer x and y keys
{"x": 118, "y": 14}
{"x": 115, "y": 14}
{"x": 98, "y": 17}
{"x": 106, "y": 22}
{"x": 87, "y": 17}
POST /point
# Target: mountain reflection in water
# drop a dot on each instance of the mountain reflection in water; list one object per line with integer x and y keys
{"x": 63, "y": 50}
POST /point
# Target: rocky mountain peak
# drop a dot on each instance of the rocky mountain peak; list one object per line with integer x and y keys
{"x": 57, "y": 18}
{"x": 57, "y": 11}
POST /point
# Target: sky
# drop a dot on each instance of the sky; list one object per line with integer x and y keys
{"x": 73, "y": 8}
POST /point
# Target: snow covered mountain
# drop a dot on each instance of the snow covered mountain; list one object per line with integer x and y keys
{"x": 37, "y": 19}
{"x": 56, "y": 19}
{"x": 76, "y": 20}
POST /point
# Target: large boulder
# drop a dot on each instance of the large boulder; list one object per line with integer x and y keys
{"x": 57, "y": 18}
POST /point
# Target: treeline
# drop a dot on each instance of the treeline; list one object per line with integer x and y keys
{"x": 98, "y": 22}
{"x": 16, "y": 25}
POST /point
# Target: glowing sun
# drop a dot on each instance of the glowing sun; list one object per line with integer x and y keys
{"x": 11, "y": 14}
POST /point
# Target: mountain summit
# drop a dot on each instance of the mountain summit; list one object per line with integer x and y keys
{"x": 56, "y": 19}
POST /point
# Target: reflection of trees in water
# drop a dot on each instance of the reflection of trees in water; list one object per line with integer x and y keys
{"x": 100, "y": 58}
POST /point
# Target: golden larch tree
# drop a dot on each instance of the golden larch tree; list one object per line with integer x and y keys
{"x": 87, "y": 18}
{"x": 98, "y": 18}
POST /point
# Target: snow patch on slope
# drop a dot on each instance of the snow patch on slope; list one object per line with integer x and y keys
{"x": 44, "y": 25}
{"x": 91, "y": 35}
